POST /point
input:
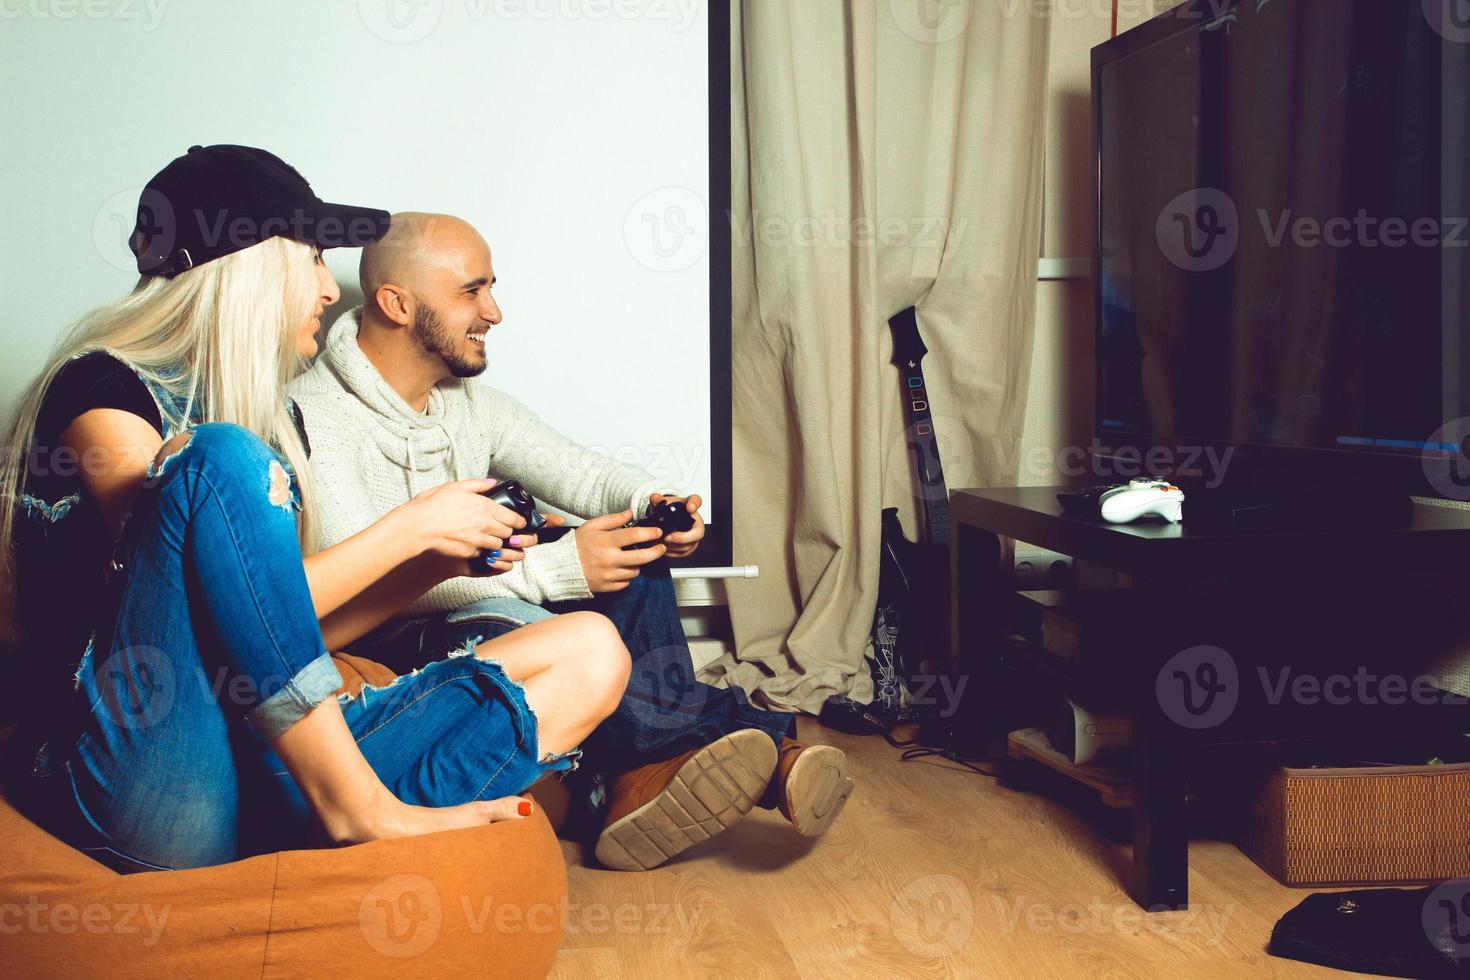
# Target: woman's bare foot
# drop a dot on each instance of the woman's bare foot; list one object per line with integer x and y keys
{"x": 399, "y": 819}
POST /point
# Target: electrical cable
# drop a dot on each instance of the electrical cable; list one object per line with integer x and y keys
{"x": 946, "y": 754}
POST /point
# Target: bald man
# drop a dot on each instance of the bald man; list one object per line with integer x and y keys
{"x": 388, "y": 414}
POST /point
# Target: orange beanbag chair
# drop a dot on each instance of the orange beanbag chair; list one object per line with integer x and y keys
{"x": 485, "y": 902}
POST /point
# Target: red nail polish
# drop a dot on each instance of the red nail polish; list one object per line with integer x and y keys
{"x": 524, "y": 809}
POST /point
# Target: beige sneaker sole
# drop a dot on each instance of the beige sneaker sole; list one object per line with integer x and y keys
{"x": 817, "y": 789}
{"x": 708, "y": 794}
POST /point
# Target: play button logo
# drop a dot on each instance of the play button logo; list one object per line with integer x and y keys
{"x": 400, "y": 21}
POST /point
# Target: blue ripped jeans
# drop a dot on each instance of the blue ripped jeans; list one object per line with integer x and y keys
{"x": 214, "y": 652}
{"x": 664, "y": 712}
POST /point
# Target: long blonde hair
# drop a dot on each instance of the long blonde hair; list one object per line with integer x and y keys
{"x": 220, "y": 339}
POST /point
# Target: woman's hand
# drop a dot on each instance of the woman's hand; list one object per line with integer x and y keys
{"x": 454, "y": 520}
{"x": 405, "y": 820}
{"x": 512, "y": 551}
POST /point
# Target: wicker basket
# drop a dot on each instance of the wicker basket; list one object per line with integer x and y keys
{"x": 1396, "y": 825}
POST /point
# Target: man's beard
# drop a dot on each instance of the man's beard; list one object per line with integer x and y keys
{"x": 429, "y": 331}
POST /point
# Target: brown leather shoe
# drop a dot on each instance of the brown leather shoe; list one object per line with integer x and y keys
{"x": 659, "y": 810}
{"x": 812, "y": 785}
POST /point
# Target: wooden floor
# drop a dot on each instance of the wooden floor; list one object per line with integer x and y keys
{"x": 930, "y": 872}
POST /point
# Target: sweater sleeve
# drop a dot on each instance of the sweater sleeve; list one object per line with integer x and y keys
{"x": 555, "y": 469}
{"x": 559, "y": 472}
{"x": 549, "y": 573}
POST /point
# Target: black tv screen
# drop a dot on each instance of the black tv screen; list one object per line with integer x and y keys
{"x": 1282, "y": 234}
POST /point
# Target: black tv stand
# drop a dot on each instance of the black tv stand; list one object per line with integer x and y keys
{"x": 1323, "y": 601}
{"x": 1284, "y": 505}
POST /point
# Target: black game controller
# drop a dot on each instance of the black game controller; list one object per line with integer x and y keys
{"x": 517, "y": 498}
{"x": 670, "y": 517}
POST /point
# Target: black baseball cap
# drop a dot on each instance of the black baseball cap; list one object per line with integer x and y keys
{"x": 215, "y": 200}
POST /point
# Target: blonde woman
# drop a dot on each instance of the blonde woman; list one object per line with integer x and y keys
{"x": 171, "y": 641}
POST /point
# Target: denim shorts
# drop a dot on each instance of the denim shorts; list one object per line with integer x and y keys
{"x": 455, "y": 731}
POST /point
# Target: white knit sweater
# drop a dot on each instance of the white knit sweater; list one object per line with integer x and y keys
{"x": 371, "y": 452}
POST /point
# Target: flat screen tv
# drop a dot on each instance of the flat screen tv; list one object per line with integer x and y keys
{"x": 1282, "y": 241}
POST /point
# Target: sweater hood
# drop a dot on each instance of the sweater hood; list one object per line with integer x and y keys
{"x": 416, "y": 442}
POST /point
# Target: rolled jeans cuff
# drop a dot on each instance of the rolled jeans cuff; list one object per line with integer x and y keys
{"x": 313, "y": 684}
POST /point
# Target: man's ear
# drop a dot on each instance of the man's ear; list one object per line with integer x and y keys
{"x": 395, "y": 304}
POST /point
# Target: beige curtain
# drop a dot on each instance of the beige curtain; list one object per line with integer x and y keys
{"x": 887, "y": 153}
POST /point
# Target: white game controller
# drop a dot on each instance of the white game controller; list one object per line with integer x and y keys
{"x": 1143, "y": 498}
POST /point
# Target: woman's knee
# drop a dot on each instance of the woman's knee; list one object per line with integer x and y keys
{"x": 228, "y": 454}
{"x": 219, "y": 446}
{"x": 603, "y": 659}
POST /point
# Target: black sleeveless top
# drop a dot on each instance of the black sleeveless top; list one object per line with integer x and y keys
{"x": 62, "y": 546}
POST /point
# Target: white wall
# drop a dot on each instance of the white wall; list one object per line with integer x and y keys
{"x": 572, "y": 133}
{"x": 1059, "y": 412}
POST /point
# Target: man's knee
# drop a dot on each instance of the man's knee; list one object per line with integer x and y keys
{"x": 653, "y": 587}
{"x": 655, "y": 575}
